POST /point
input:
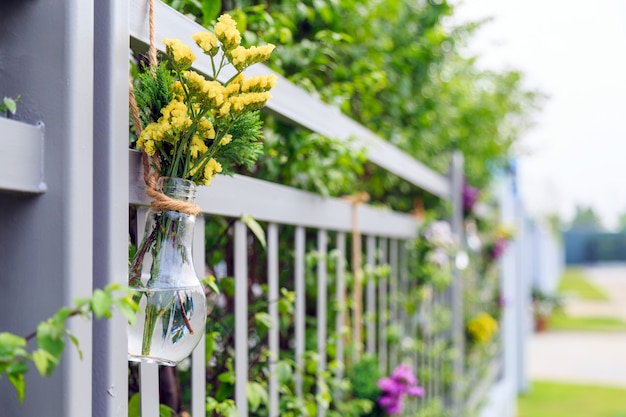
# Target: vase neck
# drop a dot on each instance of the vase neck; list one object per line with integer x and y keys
{"x": 177, "y": 188}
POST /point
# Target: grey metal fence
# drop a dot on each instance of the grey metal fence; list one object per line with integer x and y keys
{"x": 73, "y": 218}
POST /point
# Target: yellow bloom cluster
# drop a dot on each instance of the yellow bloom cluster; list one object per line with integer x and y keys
{"x": 174, "y": 120}
{"x": 207, "y": 42}
{"x": 244, "y": 57}
{"x": 227, "y": 33}
{"x": 482, "y": 328}
{"x": 195, "y": 125}
{"x": 210, "y": 170}
{"x": 182, "y": 54}
{"x": 240, "y": 95}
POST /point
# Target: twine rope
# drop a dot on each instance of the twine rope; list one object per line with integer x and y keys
{"x": 160, "y": 202}
{"x": 357, "y": 271}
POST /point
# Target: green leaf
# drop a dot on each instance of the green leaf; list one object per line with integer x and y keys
{"x": 256, "y": 229}
{"x": 134, "y": 406}
{"x": 210, "y": 11}
{"x": 81, "y": 301}
{"x": 128, "y": 308}
{"x": 228, "y": 286}
{"x": 165, "y": 411}
{"x": 10, "y": 104}
{"x": 62, "y": 315}
{"x": 50, "y": 338}
{"x": 74, "y": 341}
{"x": 101, "y": 303}
{"x": 227, "y": 377}
{"x": 227, "y": 408}
{"x": 256, "y": 394}
{"x": 284, "y": 373}
{"x": 211, "y": 284}
{"x": 17, "y": 380}
{"x": 9, "y": 341}
{"x": 263, "y": 319}
{"x": 40, "y": 358}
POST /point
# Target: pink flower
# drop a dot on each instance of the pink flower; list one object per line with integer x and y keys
{"x": 401, "y": 383}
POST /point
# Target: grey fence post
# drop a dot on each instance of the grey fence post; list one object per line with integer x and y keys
{"x": 456, "y": 198}
{"x": 110, "y": 209}
{"x": 241, "y": 318}
{"x": 46, "y": 56}
{"x": 274, "y": 332}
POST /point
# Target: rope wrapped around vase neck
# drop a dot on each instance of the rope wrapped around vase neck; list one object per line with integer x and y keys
{"x": 160, "y": 201}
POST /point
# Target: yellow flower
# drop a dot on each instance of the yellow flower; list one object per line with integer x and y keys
{"x": 226, "y": 140}
{"x": 249, "y": 101}
{"x": 177, "y": 114}
{"x": 149, "y": 136}
{"x": 206, "y": 129}
{"x": 259, "y": 83}
{"x": 194, "y": 81}
{"x": 207, "y": 42}
{"x": 211, "y": 170}
{"x": 215, "y": 92}
{"x": 182, "y": 54}
{"x": 241, "y": 57}
{"x": 225, "y": 109}
{"x": 482, "y": 327}
{"x": 227, "y": 33}
{"x": 149, "y": 147}
{"x": 177, "y": 90}
{"x": 198, "y": 147}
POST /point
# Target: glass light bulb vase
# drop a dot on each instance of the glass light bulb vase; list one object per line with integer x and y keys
{"x": 172, "y": 302}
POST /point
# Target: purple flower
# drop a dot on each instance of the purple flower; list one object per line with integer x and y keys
{"x": 498, "y": 248}
{"x": 401, "y": 383}
{"x": 470, "y": 196}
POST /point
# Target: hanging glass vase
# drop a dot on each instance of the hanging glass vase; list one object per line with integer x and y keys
{"x": 171, "y": 299}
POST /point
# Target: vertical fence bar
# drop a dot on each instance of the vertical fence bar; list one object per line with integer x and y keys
{"x": 436, "y": 375}
{"x": 198, "y": 356}
{"x": 456, "y": 194}
{"x": 241, "y": 318}
{"x": 272, "y": 284}
{"x": 394, "y": 301}
{"x": 149, "y": 391}
{"x": 382, "y": 310}
{"x": 322, "y": 249}
{"x": 148, "y": 372}
{"x": 300, "y": 307}
{"x": 428, "y": 337}
{"x": 340, "y": 299}
{"x": 110, "y": 366}
{"x": 371, "y": 296}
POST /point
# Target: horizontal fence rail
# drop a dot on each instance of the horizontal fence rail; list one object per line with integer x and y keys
{"x": 265, "y": 201}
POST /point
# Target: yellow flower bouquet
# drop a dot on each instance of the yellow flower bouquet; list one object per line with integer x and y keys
{"x": 195, "y": 128}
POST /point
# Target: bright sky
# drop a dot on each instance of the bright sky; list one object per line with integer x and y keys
{"x": 575, "y": 52}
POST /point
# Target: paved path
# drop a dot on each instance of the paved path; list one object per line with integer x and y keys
{"x": 594, "y": 358}
{"x": 581, "y": 357}
{"x": 611, "y": 278}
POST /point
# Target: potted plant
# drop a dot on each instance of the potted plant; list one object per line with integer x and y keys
{"x": 544, "y": 305}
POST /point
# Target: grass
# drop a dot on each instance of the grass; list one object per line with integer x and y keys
{"x": 575, "y": 283}
{"x": 552, "y": 399}
{"x": 560, "y": 321}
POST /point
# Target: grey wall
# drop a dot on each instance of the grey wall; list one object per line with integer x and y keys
{"x": 46, "y": 56}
